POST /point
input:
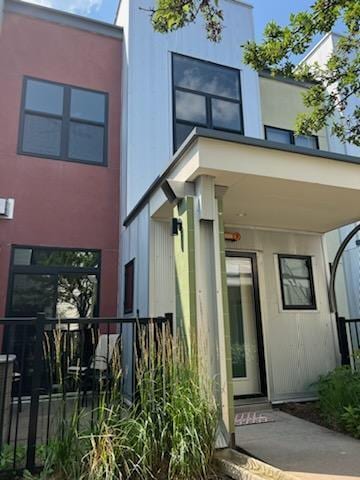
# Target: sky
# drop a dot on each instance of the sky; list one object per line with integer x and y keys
{"x": 264, "y": 10}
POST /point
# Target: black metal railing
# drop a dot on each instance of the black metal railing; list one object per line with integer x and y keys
{"x": 349, "y": 341}
{"x": 51, "y": 364}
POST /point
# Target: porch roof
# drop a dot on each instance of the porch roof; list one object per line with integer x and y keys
{"x": 268, "y": 184}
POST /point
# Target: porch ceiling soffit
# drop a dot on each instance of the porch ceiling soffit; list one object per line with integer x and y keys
{"x": 320, "y": 190}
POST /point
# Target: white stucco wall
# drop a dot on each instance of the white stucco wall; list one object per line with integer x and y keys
{"x": 148, "y": 140}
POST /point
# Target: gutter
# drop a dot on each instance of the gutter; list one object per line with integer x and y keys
{"x": 199, "y": 132}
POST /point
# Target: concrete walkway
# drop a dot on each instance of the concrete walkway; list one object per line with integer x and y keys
{"x": 301, "y": 448}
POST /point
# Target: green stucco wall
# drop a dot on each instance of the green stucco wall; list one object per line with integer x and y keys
{"x": 184, "y": 253}
{"x": 281, "y": 103}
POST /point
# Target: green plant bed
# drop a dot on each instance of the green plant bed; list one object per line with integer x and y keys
{"x": 338, "y": 407}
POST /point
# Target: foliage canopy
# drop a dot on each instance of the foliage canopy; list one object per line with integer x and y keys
{"x": 333, "y": 98}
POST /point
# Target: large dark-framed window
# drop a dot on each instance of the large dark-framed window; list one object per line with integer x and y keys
{"x": 205, "y": 94}
{"x": 129, "y": 282}
{"x": 282, "y": 135}
{"x": 63, "y": 122}
{"x": 61, "y": 282}
{"x": 297, "y": 282}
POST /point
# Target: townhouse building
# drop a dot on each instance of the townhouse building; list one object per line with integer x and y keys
{"x": 143, "y": 173}
{"x": 225, "y": 210}
{"x": 60, "y": 81}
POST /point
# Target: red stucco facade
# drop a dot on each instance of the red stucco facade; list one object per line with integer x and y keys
{"x": 59, "y": 203}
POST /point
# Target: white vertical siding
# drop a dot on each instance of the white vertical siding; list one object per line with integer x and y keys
{"x": 149, "y": 88}
{"x": 299, "y": 345}
{"x": 162, "y": 269}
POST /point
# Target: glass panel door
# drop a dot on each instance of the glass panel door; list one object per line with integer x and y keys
{"x": 243, "y": 326}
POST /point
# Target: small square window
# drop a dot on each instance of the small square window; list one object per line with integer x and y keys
{"x": 44, "y": 97}
{"x": 308, "y": 141}
{"x": 87, "y": 105}
{"x": 129, "y": 287}
{"x": 226, "y": 115}
{"x": 297, "y": 283}
{"x": 278, "y": 135}
{"x": 86, "y": 142}
{"x": 190, "y": 107}
{"x": 41, "y": 135}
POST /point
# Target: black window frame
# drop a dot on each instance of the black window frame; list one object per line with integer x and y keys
{"x": 308, "y": 259}
{"x": 51, "y": 270}
{"x": 66, "y": 119}
{"x": 129, "y": 302}
{"x": 292, "y": 137}
{"x": 208, "y": 98}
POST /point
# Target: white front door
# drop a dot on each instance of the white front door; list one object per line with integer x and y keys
{"x": 243, "y": 324}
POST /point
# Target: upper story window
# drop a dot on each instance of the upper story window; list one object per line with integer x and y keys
{"x": 281, "y": 135}
{"x": 63, "y": 122}
{"x": 205, "y": 94}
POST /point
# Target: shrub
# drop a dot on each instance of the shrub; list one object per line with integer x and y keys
{"x": 351, "y": 420}
{"x": 168, "y": 434}
{"x": 339, "y": 398}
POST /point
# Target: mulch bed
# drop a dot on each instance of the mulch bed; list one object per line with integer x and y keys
{"x": 310, "y": 411}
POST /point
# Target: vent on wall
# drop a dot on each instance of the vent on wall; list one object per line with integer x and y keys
{"x": 7, "y": 208}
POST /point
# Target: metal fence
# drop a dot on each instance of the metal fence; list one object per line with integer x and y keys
{"x": 50, "y": 365}
{"x": 349, "y": 340}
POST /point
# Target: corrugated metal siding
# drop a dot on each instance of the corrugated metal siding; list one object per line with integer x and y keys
{"x": 162, "y": 269}
{"x": 299, "y": 346}
{"x": 149, "y": 129}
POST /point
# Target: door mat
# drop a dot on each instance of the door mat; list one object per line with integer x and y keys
{"x": 253, "y": 418}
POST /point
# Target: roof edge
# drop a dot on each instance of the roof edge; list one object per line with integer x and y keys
{"x": 318, "y": 45}
{"x": 67, "y": 19}
{"x": 199, "y": 132}
{"x": 288, "y": 80}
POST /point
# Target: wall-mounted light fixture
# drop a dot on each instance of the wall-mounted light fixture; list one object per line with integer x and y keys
{"x": 176, "y": 226}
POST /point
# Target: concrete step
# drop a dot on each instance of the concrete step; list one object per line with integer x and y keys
{"x": 239, "y": 466}
{"x": 260, "y": 406}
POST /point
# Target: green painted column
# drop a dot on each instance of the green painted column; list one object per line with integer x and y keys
{"x": 184, "y": 253}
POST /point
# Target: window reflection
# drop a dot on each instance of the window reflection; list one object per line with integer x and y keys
{"x": 206, "y": 77}
{"x": 225, "y": 114}
{"x": 190, "y": 107}
{"x": 205, "y": 94}
{"x": 297, "y": 282}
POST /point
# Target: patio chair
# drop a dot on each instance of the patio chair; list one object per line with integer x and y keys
{"x": 98, "y": 368}
{"x": 102, "y": 358}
